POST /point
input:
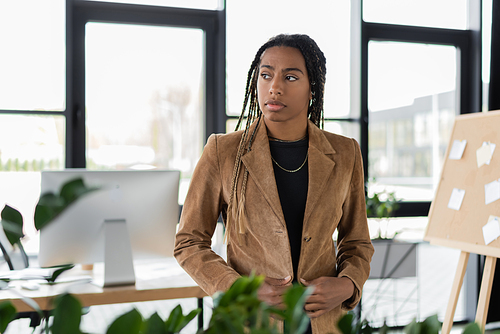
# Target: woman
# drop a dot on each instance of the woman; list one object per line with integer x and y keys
{"x": 282, "y": 186}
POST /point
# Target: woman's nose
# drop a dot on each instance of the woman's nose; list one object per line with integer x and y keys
{"x": 276, "y": 87}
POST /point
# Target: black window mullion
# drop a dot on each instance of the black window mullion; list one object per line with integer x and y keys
{"x": 75, "y": 88}
{"x": 411, "y": 34}
{"x": 79, "y": 12}
{"x": 364, "y": 119}
{"x": 468, "y": 44}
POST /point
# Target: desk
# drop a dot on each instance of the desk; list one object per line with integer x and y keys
{"x": 155, "y": 280}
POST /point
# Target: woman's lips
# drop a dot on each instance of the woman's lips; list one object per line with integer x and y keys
{"x": 274, "y": 105}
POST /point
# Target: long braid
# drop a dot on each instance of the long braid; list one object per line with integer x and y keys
{"x": 316, "y": 70}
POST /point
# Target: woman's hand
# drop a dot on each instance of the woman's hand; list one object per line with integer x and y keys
{"x": 272, "y": 290}
{"x": 329, "y": 292}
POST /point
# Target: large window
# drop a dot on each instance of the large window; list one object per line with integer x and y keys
{"x": 327, "y": 22}
{"x": 450, "y": 14}
{"x": 411, "y": 109}
{"x": 414, "y": 79}
{"x": 145, "y": 104}
{"x": 419, "y": 68}
{"x": 105, "y": 85}
{"x": 32, "y": 100}
{"x": 32, "y": 61}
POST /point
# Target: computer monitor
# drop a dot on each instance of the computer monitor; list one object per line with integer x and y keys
{"x": 134, "y": 213}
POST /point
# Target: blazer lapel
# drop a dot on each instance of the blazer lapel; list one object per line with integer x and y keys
{"x": 320, "y": 167}
{"x": 259, "y": 164}
{"x": 260, "y": 167}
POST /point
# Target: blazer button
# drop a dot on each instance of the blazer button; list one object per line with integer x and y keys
{"x": 307, "y": 239}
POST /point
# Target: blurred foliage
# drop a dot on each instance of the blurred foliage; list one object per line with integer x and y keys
{"x": 238, "y": 310}
{"x": 12, "y": 224}
{"x": 51, "y": 205}
{"x": 15, "y": 165}
{"x": 431, "y": 325}
{"x": 7, "y": 314}
{"x": 378, "y": 208}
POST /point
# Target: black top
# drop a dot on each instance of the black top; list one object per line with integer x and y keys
{"x": 292, "y": 189}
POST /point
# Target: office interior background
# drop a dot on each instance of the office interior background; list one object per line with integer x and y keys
{"x": 141, "y": 84}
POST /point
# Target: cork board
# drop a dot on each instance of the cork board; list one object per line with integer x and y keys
{"x": 463, "y": 228}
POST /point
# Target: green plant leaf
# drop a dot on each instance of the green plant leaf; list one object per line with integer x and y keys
{"x": 57, "y": 272}
{"x": 472, "y": 328}
{"x": 48, "y": 207}
{"x": 12, "y": 223}
{"x": 377, "y": 208}
{"x": 173, "y": 319}
{"x": 177, "y": 321}
{"x": 236, "y": 289}
{"x": 74, "y": 189}
{"x": 67, "y": 315}
{"x": 228, "y": 325}
{"x": 296, "y": 320}
{"x": 345, "y": 324}
{"x": 413, "y": 327}
{"x": 254, "y": 283}
{"x": 128, "y": 323}
{"x": 431, "y": 325}
{"x": 367, "y": 329}
{"x": 239, "y": 310}
{"x": 7, "y": 314}
{"x": 384, "y": 329}
{"x": 155, "y": 325}
{"x": 187, "y": 319}
{"x": 51, "y": 205}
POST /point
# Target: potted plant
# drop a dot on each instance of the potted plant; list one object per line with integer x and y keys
{"x": 381, "y": 206}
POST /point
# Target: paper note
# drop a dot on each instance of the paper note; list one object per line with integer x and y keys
{"x": 456, "y": 198}
{"x": 491, "y": 230}
{"x": 492, "y": 148}
{"x": 491, "y": 192}
{"x": 457, "y": 149}
{"x": 483, "y": 154}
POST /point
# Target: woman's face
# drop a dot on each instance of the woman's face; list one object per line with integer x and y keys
{"x": 283, "y": 85}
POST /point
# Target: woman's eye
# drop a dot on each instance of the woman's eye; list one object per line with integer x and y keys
{"x": 265, "y": 76}
{"x": 291, "y": 78}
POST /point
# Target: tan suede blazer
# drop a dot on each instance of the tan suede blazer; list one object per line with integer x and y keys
{"x": 335, "y": 200}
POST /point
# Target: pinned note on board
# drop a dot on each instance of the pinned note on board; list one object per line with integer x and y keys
{"x": 456, "y": 198}
{"x": 491, "y": 231}
{"x": 484, "y": 154}
{"x": 491, "y": 191}
{"x": 457, "y": 149}
{"x": 492, "y": 149}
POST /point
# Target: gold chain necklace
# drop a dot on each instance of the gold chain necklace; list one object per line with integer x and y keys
{"x": 294, "y": 170}
{"x": 286, "y": 141}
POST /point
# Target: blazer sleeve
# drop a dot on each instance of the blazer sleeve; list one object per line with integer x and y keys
{"x": 198, "y": 220}
{"x": 354, "y": 246}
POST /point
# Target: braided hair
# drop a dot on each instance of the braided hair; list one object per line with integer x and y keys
{"x": 316, "y": 70}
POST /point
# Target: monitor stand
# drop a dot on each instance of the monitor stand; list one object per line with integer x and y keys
{"x": 118, "y": 261}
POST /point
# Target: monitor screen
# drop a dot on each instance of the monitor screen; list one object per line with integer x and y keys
{"x": 146, "y": 200}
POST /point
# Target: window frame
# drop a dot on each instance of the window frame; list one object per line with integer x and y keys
{"x": 79, "y": 12}
{"x": 469, "y": 81}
